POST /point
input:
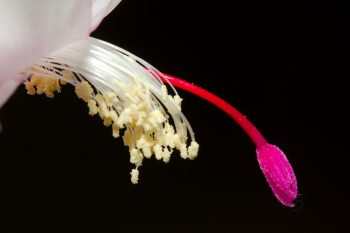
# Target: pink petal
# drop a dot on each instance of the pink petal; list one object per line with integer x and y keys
{"x": 278, "y": 173}
{"x": 35, "y": 28}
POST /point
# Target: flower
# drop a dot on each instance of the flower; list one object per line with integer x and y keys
{"x": 47, "y": 45}
{"x": 126, "y": 92}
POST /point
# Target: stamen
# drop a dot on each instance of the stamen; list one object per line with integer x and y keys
{"x": 118, "y": 87}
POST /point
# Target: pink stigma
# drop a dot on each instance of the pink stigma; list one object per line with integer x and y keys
{"x": 272, "y": 161}
{"x": 278, "y": 173}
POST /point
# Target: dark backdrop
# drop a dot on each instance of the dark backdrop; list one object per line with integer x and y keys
{"x": 280, "y": 63}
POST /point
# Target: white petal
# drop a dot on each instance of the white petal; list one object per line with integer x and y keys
{"x": 35, "y": 28}
{"x": 100, "y": 9}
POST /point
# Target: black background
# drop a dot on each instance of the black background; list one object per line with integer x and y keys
{"x": 282, "y": 64}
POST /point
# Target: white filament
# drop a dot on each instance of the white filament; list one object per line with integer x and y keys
{"x": 103, "y": 64}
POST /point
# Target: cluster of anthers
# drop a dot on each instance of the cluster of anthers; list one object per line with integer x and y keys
{"x": 125, "y": 92}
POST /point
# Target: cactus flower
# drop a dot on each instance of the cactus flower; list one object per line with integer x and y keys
{"x": 47, "y": 45}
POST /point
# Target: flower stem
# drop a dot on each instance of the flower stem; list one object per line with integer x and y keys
{"x": 241, "y": 120}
